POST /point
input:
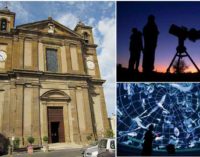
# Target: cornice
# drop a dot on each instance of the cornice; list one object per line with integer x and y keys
{"x": 40, "y": 74}
{"x": 43, "y": 34}
{"x": 98, "y": 81}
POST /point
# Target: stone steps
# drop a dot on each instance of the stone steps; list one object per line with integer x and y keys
{"x": 58, "y": 146}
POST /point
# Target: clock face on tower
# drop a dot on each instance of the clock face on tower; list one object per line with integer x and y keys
{"x": 3, "y": 56}
{"x": 90, "y": 65}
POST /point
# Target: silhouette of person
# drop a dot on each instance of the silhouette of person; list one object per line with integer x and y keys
{"x": 148, "y": 140}
{"x": 135, "y": 49}
{"x": 170, "y": 149}
{"x": 150, "y": 33}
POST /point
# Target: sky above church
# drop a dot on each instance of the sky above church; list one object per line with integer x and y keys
{"x": 134, "y": 14}
{"x": 99, "y": 15}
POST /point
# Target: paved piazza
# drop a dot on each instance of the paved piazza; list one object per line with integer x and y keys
{"x": 57, "y": 153}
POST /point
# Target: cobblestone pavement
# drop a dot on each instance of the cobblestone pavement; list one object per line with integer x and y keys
{"x": 55, "y": 153}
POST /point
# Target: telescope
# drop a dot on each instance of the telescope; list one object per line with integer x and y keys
{"x": 183, "y": 33}
{"x": 194, "y": 35}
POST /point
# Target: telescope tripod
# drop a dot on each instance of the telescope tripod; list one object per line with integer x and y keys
{"x": 180, "y": 53}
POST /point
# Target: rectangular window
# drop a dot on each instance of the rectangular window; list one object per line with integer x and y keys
{"x": 103, "y": 143}
{"x": 52, "y": 60}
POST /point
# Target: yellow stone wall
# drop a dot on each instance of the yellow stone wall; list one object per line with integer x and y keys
{"x": 25, "y": 79}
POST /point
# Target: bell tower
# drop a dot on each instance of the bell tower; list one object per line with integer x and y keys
{"x": 90, "y": 57}
{"x": 85, "y": 32}
{"x": 7, "y": 20}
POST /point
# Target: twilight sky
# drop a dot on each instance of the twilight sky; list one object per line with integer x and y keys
{"x": 134, "y": 14}
{"x": 99, "y": 15}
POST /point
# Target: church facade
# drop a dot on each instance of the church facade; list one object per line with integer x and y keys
{"x": 50, "y": 83}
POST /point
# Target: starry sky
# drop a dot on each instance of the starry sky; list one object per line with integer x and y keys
{"x": 99, "y": 15}
{"x": 134, "y": 14}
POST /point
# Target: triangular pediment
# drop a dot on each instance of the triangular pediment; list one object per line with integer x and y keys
{"x": 49, "y": 26}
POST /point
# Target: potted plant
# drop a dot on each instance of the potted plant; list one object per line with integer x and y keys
{"x": 109, "y": 133}
{"x": 16, "y": 142}
{"x": 45, "y": 146}
{"x": 30, "y": 140}
{"x": 89, "y": 138}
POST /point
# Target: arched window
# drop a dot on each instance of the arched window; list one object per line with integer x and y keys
{"x": 3, "y": 24}
{"x": 86, "y": 37}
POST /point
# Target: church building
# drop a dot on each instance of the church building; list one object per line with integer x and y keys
{"x": 50, "y": 83}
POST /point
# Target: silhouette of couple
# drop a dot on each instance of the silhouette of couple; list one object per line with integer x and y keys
{"x": 150, "y": 35}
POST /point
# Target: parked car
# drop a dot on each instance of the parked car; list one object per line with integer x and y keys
{"x": 106, "y": 154}
{"x": 91, "y": 151}
{"x": 106, "y": 147}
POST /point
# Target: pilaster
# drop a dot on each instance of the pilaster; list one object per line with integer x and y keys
{"x": 76, "y": 131}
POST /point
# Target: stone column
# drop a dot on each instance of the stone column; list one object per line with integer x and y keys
{"x": 35, "y": 55}
{"x": 99, "y": 126}
{"x": 97, "y": 71}
{"x": 2, "y": 92}
{"x": 20, "y": 56}
{"x": 43, "y": 119}
{"x": 41, "y": 59}
{"x": 17, "y": 55}
{"x": 66, "y": 123}
{"x": 36, "y": 115}
{"x": 28, "y": 54}
{"x": 74, "y": 58}
{"x": 87, "y": 110}
{"x": 6, "y": 113}
{"x": 76, "y": 131}
{"x": 27, "y": 120}
{"x": 9, "y": 55}
{"x": 12, "y": 110}
{"x": 80, "y": 59}
{"x": 19, "y": 112}
{"x": 68, "y": 58}
{"x": 81, "y": 112}
{"x": 103, "y": 109}
{"x": 63, "y": 59}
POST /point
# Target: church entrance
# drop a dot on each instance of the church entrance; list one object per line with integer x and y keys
{"x": 55, "y": 124}
{"x": 55, "y": 132}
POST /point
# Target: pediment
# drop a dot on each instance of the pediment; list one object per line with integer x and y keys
{"x": 49, "y": 26}
{"x": 55, "y": 95}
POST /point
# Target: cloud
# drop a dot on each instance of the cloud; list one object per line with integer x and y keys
{"x": 71, "y": 2}
{"x": 91, "y": 21}
{"x": 68, "y": 19}
{"x": 22, "y": 14}
{"x": 106, "y": 28}
{"x": 110, "y": 4}
{"x": 97, "y": 38}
